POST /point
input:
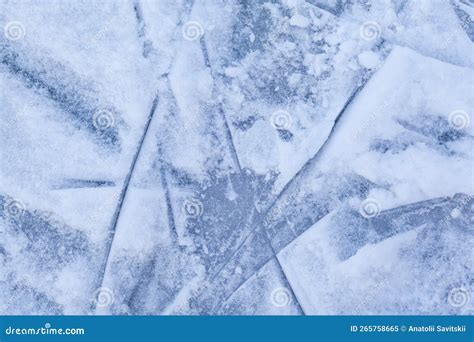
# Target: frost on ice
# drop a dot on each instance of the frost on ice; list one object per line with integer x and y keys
{"x": 232, "y": 157}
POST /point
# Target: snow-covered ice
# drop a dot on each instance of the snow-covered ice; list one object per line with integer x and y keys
{"x": 236, "y": 157}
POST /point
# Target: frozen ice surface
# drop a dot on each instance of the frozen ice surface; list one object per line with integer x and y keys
{"x": 236, "y": 157}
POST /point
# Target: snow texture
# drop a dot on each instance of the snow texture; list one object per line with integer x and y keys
{"x": 236, "y": 157}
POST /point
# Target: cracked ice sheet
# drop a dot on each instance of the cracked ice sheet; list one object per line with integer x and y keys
{"x": 188, "y": 165}
{"x": 287, "y": 69}
{"x": 190, "y": 161}
{"x": 432, "y": 28}
{"x": 315, "y": 195}
{"x": 400, "y": 127}
{"x": 265, "y": 293}
{"x": 163, "y": 253}
{"x": 411, "y": 272}
{"x": 148, "y": 273}
{"x": 285, "y": 72}
{"x": 185, "y": 158}
{"x": 413, "y": 114}
{"x": 401, "y": 118}
{"x": 61, "y": 171}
